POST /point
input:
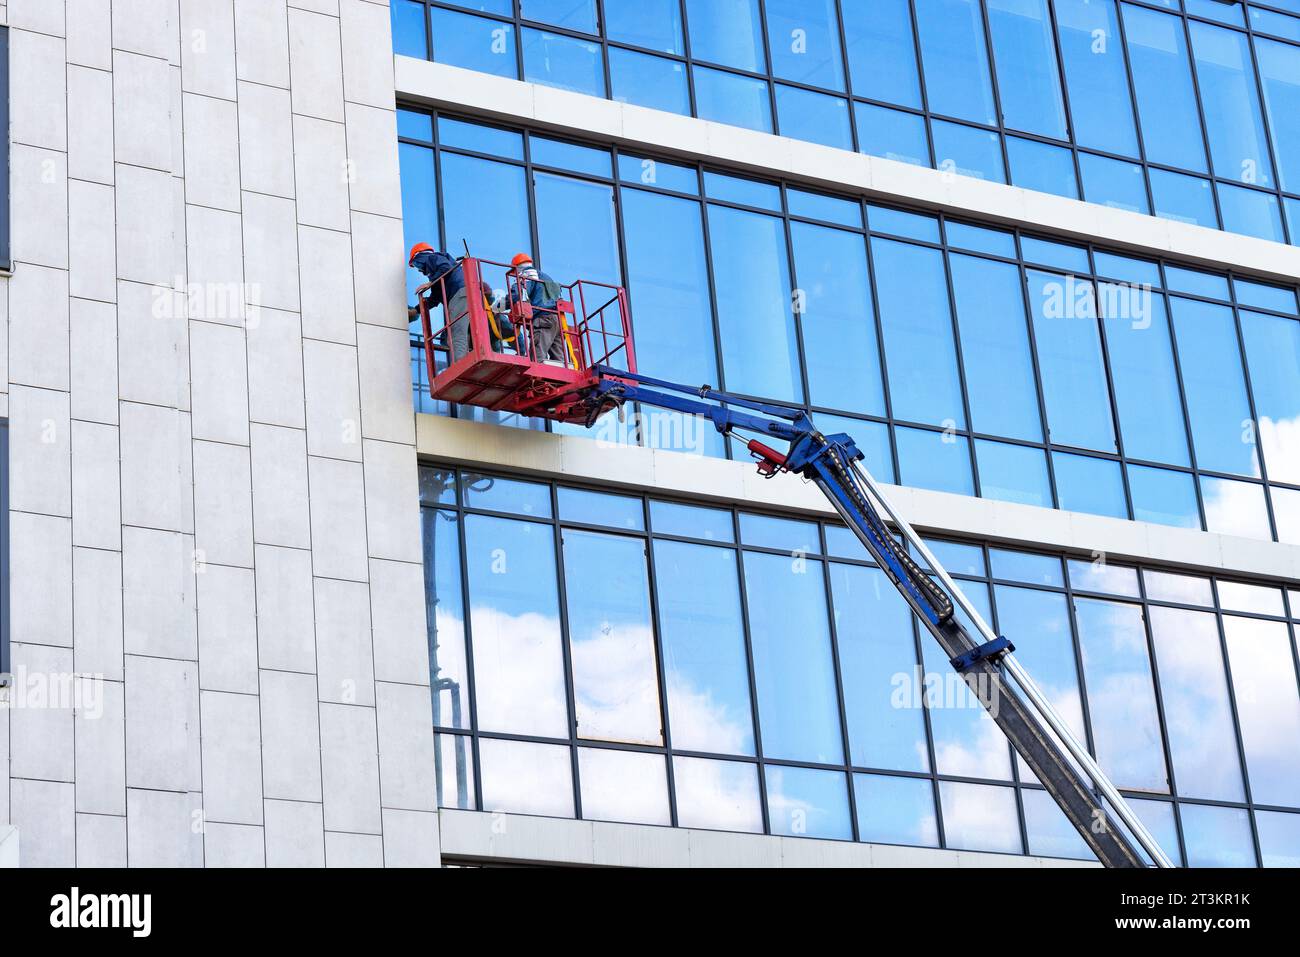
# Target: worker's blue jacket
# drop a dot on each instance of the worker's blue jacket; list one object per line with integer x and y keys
{"x": 543, "y": 292}
{"x": 434, "y": 265}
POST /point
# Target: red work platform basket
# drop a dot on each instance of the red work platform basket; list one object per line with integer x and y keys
{"x": 502, "y": 369}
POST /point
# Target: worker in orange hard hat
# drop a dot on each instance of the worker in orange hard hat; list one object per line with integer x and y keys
{"x": 448, "y": 291}
{"x": 543, "y": 293}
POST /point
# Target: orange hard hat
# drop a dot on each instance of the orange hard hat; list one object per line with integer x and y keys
{"x": 416, "y": 250}
{"x": 521, "y": 259}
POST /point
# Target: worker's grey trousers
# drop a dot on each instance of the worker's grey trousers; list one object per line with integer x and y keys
{"x": 547, "y": 341}
{"x": 460, "y": 328}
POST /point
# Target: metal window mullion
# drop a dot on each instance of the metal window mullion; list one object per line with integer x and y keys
{"x": 1116, "y": 424}
{"x": 961, "y": 368}
{"x": 661, "y": 672}
{"x": 767, "y": 66}
{"x": 570, "y": 694}
{"x": 739, "y": 553}
{"x": 880, "y": 347}
{"x": 1044, "y": 426}
{"x": 1254, "y": 412}
{"x": 842, "y": 709}
{"x": 1200, "y": 112}
{"x": 469, "y": 645}
{"x": 1264, "y": 122}
{"x": 997, "y": 94}
{"x": 1182, "y": 395}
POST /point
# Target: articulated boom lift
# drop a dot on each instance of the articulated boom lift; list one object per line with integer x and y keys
{"x": 586, "y": 386}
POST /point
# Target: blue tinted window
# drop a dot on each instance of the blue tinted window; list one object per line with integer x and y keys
{"x": 793, "y": 668}
{"x": 934, "y": 460}
{"x": 668, "y": 283}
{"x": 1024, "y": 50}
{"x": 1196, "y": 283}
{"x": 1041, "y": 166}
{"x": 1027, "y": 567}
{"x": 505, "y": 495}
{"x": 1163, "y": 497}
{"x": 896, "y": 222}
{"x": 1216, "y": 392}
{"x": 896, "y": 810}
{"x": 921, "y": 356}
{"x": 1230, "y": 99}
{"x": 955, "y": 59}
{"x": 841, "y": 351}
{"x": 649, "y": 172}
{"x": 1277, "y": 24}
{"x": 1261, "y": 296}
{"x": 653, "y": 24}
{"x": 576, "y": 229}
{"x": 580, "y": 159}
{"x": 408, "y": 28}
{"x": 1279, "y": 71}
{"x": 1047, "y": 253}
{"x": 979, "y": 239}
{"x": 1235, "y": 508}
{"x": 691, "y": 521}
{"x": 1286, "y": 513}
{"x": 759, "y": 352}
{"x": 1293, "y": 219}
{"x": 979, "y": 817}
{"x": 574, "y": 14}
{"x": 1100, "y": 105}
{"x": 1162, "y": 77}
{"x": 805, "y": 802}
{"x": 957, "y": 557}
{"x": 764, "y": 531}
{"x": 1217, "y": 836}
{"x": 1158, "y": 816}
{"x": 486, "y": 205}
{"x": 1085, "y": 484}
{"x": 722, "y": 795}
{"x": 566, "y": 62}
{"x": 515, "y": 621}
{"x": 804, "y": 36}
{"x": 416, "y": 126}
{"x": 1143, "y": 374}
{"x": 873, "y": 627}
{"x": 1121, "y": 695}
{"x": 1251, "y": 212}
{"x": 446, "y": 628}
{"x": 815, "y": 117}
{"x": 1273, "y": 355}
{"x": 871, "y": 438}
{"x": 1268, "y": 710}
{"x": 892, "y": 134}
{"x": 746, "y": 192}
{"x": 1137, "y": 271}
{"x": 728, "y": 98}
{"x": 1279, "y": 838}
{"x": 620, "y": 706}
{"x": 968, "y": 151}
{"x": 727, "y": 32}
{"x": 1230, "y": 12}
{"x": 475, "y": 43}
{"x": 419, "y": 205}
{"x": 599, "y": 508}
{"x": 506, "y": 144}
{"x": 706, "y": 678}
{"x": 1194, "y": 693}
{"x": 1186, "y": 199}
{"x": 882, "y": 51}
{"x": 1049, "y": 831}
{"x": 1113, "y": 183}
{"x": 1069, "y": 356}
{"x": 650, "y": 81}
{"x": 826, "y": 208}
{"x": 995, "y": 347}
{"x": 1013, "y": 473}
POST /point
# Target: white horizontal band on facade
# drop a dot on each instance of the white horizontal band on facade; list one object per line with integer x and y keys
{"x": 542, "y": 107}
{"x": 732, "y": 483}
{"x": 517, "y": 838}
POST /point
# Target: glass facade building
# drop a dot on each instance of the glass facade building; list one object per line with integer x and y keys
{"x": 617, "y": 650}
{"x": 745, "y": 672}
{"x": 961, "y": 358}
{"x": 1183, "y": 109}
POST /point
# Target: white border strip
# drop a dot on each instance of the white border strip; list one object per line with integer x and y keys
{"x": 585, "y": 460}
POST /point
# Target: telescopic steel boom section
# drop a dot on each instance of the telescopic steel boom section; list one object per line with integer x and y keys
{"x": 1065, "y": 768}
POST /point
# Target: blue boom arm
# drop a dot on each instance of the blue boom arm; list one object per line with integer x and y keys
{"x": 831, "y": 462}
